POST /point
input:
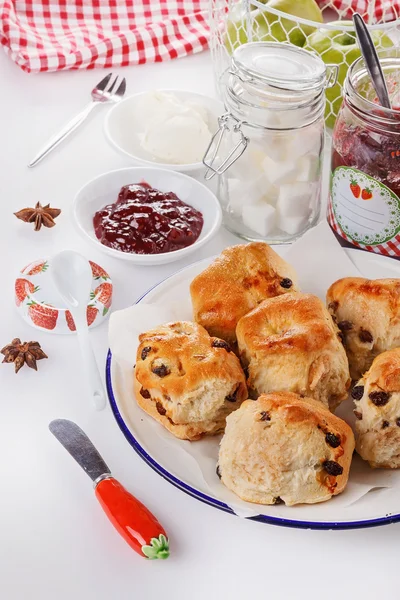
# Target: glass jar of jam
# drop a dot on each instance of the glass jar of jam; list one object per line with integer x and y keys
{"x": 364, "y": 205}
{"x": 268, "y": 150}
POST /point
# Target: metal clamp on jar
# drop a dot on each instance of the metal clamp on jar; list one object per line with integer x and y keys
{"x": 268, "y": 149}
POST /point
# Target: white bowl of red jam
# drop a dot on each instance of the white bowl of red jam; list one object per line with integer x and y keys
{"x": 145, "y": 215}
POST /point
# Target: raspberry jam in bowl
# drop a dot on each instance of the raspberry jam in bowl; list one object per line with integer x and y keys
{"x": 147, "y": 221}
{"x": 364, "y": 202}
{"x": 146, "y": 215}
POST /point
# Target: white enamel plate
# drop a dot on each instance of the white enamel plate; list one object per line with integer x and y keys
{"x": 372, "y": 499}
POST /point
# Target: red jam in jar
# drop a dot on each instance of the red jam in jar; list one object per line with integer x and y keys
{"x": 144, "y": 220}
{"x": 364, "y": 204}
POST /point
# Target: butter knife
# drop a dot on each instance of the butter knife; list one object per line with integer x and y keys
{"x": 139, "y": 528}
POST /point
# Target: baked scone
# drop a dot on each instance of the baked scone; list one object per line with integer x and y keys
{"x": 377, "y": 408}
{"x": 290, "y": 343}
{"x": 282, "y": 447}
{"x": 368, "y": 313}
{"x": 187, "y": 380}
{"x": 239, "y": 279}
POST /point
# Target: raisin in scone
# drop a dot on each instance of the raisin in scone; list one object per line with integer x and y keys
{"x": 282, "y": 447}
{"x": 377, "y": 409}
{"x": 187, "y": 380}
{"x": 239, "y": 279}
{"x": 368, "y": 313}
{"x": 290, "y": 343}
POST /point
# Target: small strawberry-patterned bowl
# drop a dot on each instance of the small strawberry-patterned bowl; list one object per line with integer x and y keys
{"x": 40, "y": 305}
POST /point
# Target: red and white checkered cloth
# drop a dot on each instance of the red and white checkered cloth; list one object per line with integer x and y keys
{"x": 372, "y": 11}
{"x": 52, "y": 35}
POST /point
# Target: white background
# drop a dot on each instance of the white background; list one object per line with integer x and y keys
{"x": 55, "y": 542}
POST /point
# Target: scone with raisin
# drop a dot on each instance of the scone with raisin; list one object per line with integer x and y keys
{"x": 282, "y": 447}
{"x": 187, "y": 380}
{"x": 239, "y": 279}
{"x": 290, "y": 343}
{"x": 368, "y": 313}
{"x": 377, "y": 408}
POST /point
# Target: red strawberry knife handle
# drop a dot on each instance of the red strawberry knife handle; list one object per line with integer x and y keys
{"x": 132, "y": 519}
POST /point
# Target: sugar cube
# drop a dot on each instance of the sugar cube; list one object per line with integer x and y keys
{"x": 292, "y": 225}
{"x": 275, "y": 147}
{"x": 247, "y": 192}
{"x": 304, "y": 141}
{"x": 271, "y": 194}
{"x": 308, "y": 168}
{"x": 294, "y": 199}
{"x": 260, "y": 218}
{"x": 248, "y": 165}
{"x": 278, "y": 172}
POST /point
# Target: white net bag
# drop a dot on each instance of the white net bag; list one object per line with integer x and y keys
{"x": 325, "y": 28}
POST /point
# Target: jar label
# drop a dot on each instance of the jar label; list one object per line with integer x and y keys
{"x": 367, "y": 211}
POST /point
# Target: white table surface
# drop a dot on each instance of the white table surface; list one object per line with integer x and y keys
{"x": 55, "y": 542}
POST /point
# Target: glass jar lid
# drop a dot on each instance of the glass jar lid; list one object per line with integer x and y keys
{"x": 279, "y": 65}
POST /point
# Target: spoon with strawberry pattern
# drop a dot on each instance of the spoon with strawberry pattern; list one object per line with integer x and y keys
{"x": 72, "y": 276}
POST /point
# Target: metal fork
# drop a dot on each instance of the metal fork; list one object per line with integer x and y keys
{"x": 100, "y": 94}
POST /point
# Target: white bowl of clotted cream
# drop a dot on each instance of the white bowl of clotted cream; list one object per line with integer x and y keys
{"x": 170, "y": 129}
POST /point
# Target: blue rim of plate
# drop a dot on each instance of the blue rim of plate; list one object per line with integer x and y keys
{"x": 210, "y": 500}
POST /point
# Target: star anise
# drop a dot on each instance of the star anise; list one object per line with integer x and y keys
{"x": 20, "y": 353}
{"x": 40, "y": 215}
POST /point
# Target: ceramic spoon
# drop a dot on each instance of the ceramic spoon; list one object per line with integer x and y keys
{"x": 371, "y": 60}
{"x": 72, "y": 277}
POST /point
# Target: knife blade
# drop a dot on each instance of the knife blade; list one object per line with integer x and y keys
{"x": 133, "y": 521}
{"x": 77, "y": 443}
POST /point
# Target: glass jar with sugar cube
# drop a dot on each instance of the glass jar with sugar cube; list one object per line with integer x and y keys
{"x": 268, "y": 149}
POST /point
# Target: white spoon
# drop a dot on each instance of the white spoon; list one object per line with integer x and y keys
{"x": 72, "y": 276}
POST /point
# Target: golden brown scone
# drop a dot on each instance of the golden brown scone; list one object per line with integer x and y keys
{"x": 187, "y": 380}
{"x": 290, "y": 343}
{"x": 377, "y": 408}
{"x": 282, "y": 447}
{"x": 368, "y": 313}
{"x": 239, "y": 279}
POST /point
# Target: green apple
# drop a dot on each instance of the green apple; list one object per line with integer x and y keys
{"x": 288, "y": 30}
{"x": 266, "y": 26}
{"x": 337, "y": 47}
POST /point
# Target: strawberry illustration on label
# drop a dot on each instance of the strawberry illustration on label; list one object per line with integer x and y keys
{"x": 366, "y": 194}
{"x": 36, "y": 267}
{"x": 355, "y": 188}
{"x": 103, "y": 293}
{"x": 91, "y": 314}
{"x": 23, "y": 288}
{"x": 373, "y": 219}
{"x": 43, "y": 316}
{"x": 97, "y": 271}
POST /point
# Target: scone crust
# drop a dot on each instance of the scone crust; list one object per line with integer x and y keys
{"x": 290, "y": 343}
{"x": 378, "y": 412}
{"x": 187, "y": 380}
{"x": 368, "y": 313}
{"x": 240, "y": 278}
{"x": 284, "y": 447}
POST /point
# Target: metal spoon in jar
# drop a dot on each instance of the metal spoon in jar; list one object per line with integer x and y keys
{"x": 371, "y": 60}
